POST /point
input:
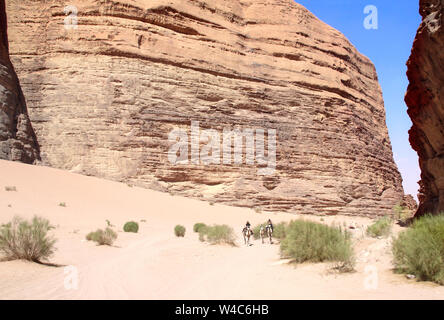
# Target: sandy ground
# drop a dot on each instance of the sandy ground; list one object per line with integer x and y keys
{"x": 154, "y": 264}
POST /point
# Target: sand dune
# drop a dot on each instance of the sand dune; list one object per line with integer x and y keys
{"x": 154, "y": 264}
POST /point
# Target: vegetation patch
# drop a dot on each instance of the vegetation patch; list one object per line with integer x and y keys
{"x": 198, "y": 226}
{"x": 419, "y": 250}
{"x": 308, "y": 241}
{"x": 102, "y": 237}
{"x": 380, "y": 228}
{"x": 217, "y": 234}
{"x": 402, "y": 214}
{"x": 29, "y": 240}
{"x": 131, "y": 226}
{"x": 179, "y": 231}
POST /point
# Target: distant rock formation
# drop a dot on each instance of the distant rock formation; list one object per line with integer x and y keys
{"x": 17, "y": 138}
{"x": 425, "y": 101}
{"x": 409, "y": 203}
{"x": 108, "y": 81}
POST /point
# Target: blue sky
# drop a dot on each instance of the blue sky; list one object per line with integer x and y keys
{"x": 389, "y": 48}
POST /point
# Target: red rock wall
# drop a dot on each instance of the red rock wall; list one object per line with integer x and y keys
{"x": 17, "y": 138}
{"x": 425, "y": 101}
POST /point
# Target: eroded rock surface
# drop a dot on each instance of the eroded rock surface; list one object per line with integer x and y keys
{"x": 409, "y": 202}
{"x": 105, "y": 94}
{"x": 17, "y": 138}
{"x": 425, "y": 101}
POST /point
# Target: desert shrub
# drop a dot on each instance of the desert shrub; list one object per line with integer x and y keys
{"x": 381, "y": 227}
{"x": 92, "y": 236}
{"x": 10, "y": 188}
{"x": 108, "y": 237}
{"x": 398, "y": 209}
{"x": 402, "y": 214}
{"x": 179, "y": 231}
{"x": 131, "y": 226}
{"x": 217, "y": 234}
{"x": 419, "y": 250}
{"x": 62, "y": 204}
{"x": 102, "y": 237}
{"x": 278, "y": 230}
{"x": 20, "y": 239}
{"x": 198, "y": 226}
{"x": 316, "y": 242}
{"x": 202, "y": 233}
{"x": 257, "y": 230}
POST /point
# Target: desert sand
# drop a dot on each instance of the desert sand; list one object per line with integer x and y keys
{"x": 154, "y": 264}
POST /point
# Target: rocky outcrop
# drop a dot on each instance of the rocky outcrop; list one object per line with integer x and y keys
{"x": 17, "y": 138}
{"x": 409, "y": 203}
{"x": 425, "y": 101}
{"x": 107, "y": 92}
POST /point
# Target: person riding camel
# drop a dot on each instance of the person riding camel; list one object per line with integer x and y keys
{"x": 270, "y": 225}
{"x": 247, "y": 233}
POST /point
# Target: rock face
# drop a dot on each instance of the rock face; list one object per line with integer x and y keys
{"x": 409, "y": 203}
{"x": 106, "y": 93}
{"x": 425, "y": 101}
{"x": 17, "y": 138}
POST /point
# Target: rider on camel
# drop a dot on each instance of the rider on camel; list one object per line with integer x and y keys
{"x": 270, "y": 225}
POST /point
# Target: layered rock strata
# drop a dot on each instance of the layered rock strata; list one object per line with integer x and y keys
{"x": 107, "y": 82}
{"x": 17, "y": 138}
{"x": 425, "y": 101}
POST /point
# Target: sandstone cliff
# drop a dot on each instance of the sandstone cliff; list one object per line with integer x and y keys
{"x": 17, "y": 138}
{"x": 425, "y": 101}
{"x": 105, "y": 94}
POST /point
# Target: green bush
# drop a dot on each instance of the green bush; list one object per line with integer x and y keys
{"x": 20, "y": 239}
{"x": 420, "y": 249}
{"x": 279, "y": 231}
{"x": 179, "y": 231}
{"x": 92, "y": 236}
{"x": 217, "y": 234}
{"x": 102, "y": 237}
{"x": 402, "y": 214}
{"x": 131, "y": 226}
{"x": 202, "y": 233}
{"x": 198, "y": 226}
{"x": 381, "y": 227}
{"x": 316, "y": 242}
{"x": 257, "y": 231}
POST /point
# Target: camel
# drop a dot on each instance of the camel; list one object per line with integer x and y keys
{"x": 247, "y": 233}
{"x": 267, "y": 231}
